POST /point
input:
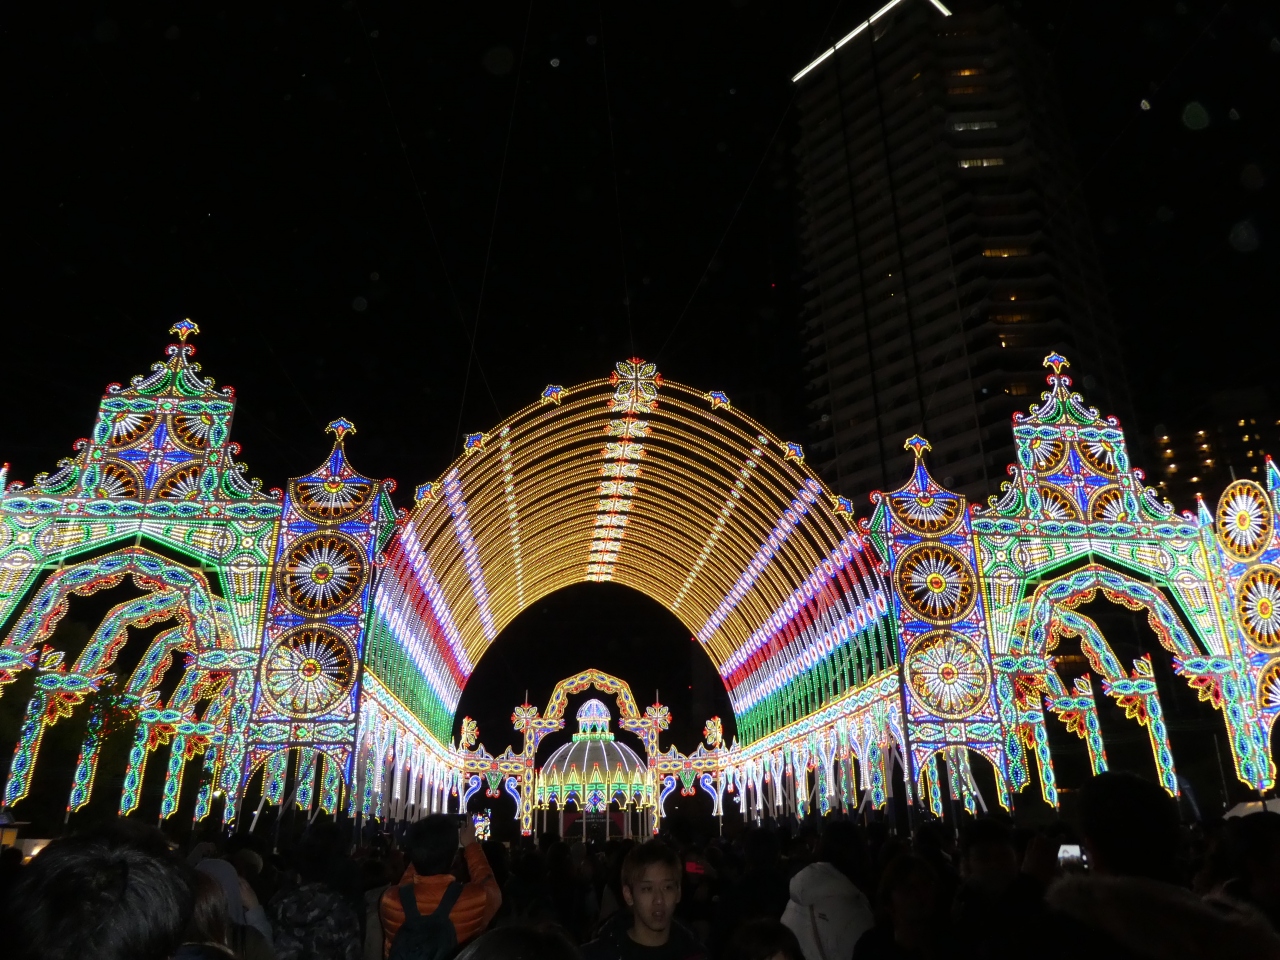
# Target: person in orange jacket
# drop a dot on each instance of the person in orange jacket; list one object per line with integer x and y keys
{"x": 431, "y": 844}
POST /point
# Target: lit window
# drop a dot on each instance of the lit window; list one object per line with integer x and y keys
{"x": 1254, "y": 468}
{"x": 1240, "y": 424}
{"x": 1006, "y": 252}
{"x": 980, "y": 162}
{"x": 974, "y": 125}
{"x": 962, "y": 90}
{"x": 1019, "y": 389}
{"x": 1195, "y": 480}
{"x": 1204, "y": 446}
{"x": 965, "y": 72}
{"x": 1208, "y": 463}
{"x": 1010, "y": 317}
{"x": 1164, "y": 439}
{"x": 1245, "y": 437}
{"x": 1168, "y": 453}
{"x": 1173, "y": 468}
{"x": 1249, "y": 454}
{"x": 1199, "y": 433}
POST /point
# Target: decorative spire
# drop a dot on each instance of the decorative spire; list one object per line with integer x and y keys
{"x": 842, "y": 505}
{"x": 1202, "y": 512}
{"x": 719, "y": 400}
{"x": 184, "y": 328}
{"x": 340, "y": 428}
{"x": 917, "y": 445}
{"x": 1057, "y": 361}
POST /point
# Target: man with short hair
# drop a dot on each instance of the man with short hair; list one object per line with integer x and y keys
{"x": 651, "y": 888}
{"x": 432, "y": 844}
{"x": 114, "y": 894}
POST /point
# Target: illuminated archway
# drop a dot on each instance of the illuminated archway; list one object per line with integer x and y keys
{"x": 214, "y": 672}
{"x": 662, "y": 488}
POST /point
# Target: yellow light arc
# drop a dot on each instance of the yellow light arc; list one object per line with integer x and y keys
{"x": 693, "y": 460}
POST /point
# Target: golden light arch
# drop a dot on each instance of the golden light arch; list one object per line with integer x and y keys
{"x": 662, "y": 488}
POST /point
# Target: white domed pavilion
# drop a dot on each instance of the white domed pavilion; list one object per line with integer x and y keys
{"x": 593, "y": 770}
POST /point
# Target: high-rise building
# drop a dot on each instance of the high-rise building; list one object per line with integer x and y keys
{"x": 1229, "y": 438}
{"x": 947, "y": 246}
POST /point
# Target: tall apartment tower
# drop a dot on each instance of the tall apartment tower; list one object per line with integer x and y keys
{"x": 947, "y": 247}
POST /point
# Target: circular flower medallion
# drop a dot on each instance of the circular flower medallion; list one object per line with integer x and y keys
{"x": 925, "y": 512}
{"x": 1269, "y": 686}
{"x": 321, "y": 573}
{"x": 332, "y": 498}
{"x": 1258, "y": 606}
{"x": 308, "y": 671}
{"x": 948, "y": 674}
{"x": 935, "y": 583}
{"x": 1245, "y": 524}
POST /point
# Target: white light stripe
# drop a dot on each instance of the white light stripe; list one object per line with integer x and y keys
{"x": 792, "y": 516}
{"x": 420, "y": 570}
{"x": 397, "y": 621}
{"x": 470, "y": 553}
{"x": 822, "y": 56}
{"x": 937, "y": 5}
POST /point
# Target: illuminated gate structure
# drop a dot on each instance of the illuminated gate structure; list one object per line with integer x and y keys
{"x": 326, "y": 636}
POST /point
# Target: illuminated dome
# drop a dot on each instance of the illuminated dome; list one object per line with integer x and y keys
{"x": 593, "y": 769}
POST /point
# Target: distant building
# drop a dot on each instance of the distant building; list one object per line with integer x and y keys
{"x": 947, "y": 245}
{"x": 1230, "y": 440}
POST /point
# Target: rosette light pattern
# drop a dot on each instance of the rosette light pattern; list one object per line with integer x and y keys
{"x": 948, "y": 674}
{"x": 1102, "y": 454}
{"x": 926, "y": 513}
{"x": 1258, "y": 606}
{"x": 322, "y": 572}
{"x": 1245, "y": 524}
{"x": 333, "y": 498}
{"x": 308, "y": 671}
{"x": 936, "y": 583}
{"x": 1269, "y": 686}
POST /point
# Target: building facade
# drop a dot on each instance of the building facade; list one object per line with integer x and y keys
{"x": 946, "y": 243}
{"x": 1229, "y": 439}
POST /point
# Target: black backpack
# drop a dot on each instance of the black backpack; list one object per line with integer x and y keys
{"x": 426, "y": 938}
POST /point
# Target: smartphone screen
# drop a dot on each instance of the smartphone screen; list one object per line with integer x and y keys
{"x": 1070, "y": 857}
{"x": 481, "y": 822}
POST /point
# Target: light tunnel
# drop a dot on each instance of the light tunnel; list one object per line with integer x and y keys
{"x": 662, "y": 488}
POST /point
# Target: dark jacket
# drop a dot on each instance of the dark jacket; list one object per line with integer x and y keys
{"x": 1147, "y": 919}
{"x": 611, "y": 945}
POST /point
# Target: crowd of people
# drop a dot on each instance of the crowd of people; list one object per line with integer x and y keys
{"x": 1144, "y": 886}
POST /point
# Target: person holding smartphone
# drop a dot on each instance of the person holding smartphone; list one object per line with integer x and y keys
{"x": 432, "y": 844}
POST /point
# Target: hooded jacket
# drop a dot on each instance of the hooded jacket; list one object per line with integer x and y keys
{"x": 826, "y": 912}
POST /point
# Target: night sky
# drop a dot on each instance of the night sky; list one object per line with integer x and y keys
{"x": 418, "y": 215}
